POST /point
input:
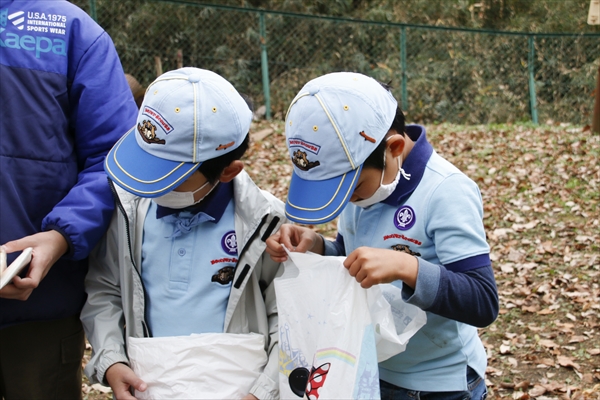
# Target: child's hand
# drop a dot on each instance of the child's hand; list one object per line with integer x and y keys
{"x": 121, "y": 379}
{"x": 371, "y": 266}
{"x": 249, "y": 397}
{"x": 294, "y": 238}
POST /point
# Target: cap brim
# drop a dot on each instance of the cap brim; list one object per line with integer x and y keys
{"x": 140, "y": 172}
{"x": 317, "y": 202}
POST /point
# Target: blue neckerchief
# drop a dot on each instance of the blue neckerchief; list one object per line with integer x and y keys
{"x": 414, "y": 165}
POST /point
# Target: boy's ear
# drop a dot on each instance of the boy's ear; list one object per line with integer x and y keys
{"x": 396, "y": 144}
{"x": 231, "y": 171}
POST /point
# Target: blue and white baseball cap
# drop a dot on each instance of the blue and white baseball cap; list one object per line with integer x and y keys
{"x": 334, "y": 123}
{"x": 188, "y": 116}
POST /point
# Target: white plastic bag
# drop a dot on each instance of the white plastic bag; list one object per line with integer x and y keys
{"x": 332, "y": 332}
{"x": 385, "y": 302}
{"x": 204, "y": 366}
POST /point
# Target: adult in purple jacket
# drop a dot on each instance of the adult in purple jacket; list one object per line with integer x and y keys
{"x": 64, "y": 101}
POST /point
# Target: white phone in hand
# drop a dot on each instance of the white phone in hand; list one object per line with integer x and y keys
{"x": 15, "y": 267}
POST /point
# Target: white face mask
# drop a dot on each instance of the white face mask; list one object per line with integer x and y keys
{"x": 383, "y": 191}
{"x": 178, "y": 200}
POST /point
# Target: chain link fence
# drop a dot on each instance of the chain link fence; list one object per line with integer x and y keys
{"x": 438, "y": 74}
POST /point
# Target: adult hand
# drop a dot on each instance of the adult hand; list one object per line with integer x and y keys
{"x": 249, "y": 397}
{"x": 371, "y": 266}
{"x": 48, "y": 247}
{"x": 122, "y": 379}
{"x": 294, "y": 238}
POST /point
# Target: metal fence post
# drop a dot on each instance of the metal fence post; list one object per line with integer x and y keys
{"x": 93, "y": 13}
{"x": 264, "y": 62}
{"x": 403, "y": 66}
{"x": 596, "y": 116}
{"x": 532, "y": 97}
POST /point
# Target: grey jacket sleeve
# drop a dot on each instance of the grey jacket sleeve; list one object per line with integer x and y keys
{"x": 102, "y": 314}
{"x": 267, "y": 384}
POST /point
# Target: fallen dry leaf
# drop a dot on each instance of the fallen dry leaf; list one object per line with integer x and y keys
{"x": 577, "y": 339}
{"x": 548, "y": 343}
{"x": 537, "y": 391}
{"x": 101, "y": 388}
{"x": 522, "y": 385}
{"x": 594, "y": 352}
{"x": 564, "y": 361}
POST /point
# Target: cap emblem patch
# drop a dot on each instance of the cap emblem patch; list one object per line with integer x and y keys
{"x": 308, "y": 146}
{"x": 404, "y": 218}
{"x": 301, "y": 161}
{"x": 148, "y": 132}
{"x": 158, "y": 118}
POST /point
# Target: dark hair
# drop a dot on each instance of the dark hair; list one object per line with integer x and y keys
{"x": 213, "y": 168}
{"x": 375, "y": 159}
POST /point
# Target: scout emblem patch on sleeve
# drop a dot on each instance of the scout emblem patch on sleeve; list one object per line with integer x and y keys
{"x": 148, "y": 133}
{"x": 301, "y": 161}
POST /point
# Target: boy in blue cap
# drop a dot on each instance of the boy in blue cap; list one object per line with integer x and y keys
{"x": 407, "y": 217}
{"x": 185, "y": 252}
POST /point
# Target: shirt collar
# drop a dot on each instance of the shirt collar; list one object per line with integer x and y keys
{"x": 414, "y": 165}
{"x": 213, "y": 205}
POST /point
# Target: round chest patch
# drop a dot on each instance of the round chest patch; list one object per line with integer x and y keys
{"x": 404, "y": 218}
{"x": 229, "y": 243}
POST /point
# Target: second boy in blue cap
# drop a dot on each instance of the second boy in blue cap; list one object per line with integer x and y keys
{"x": 408, "y": 217}
{"x": 185, "y": 252}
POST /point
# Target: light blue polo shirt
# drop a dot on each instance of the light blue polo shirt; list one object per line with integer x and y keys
{"x": 437, "y": 216}
{"x": 188, "y": 258}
